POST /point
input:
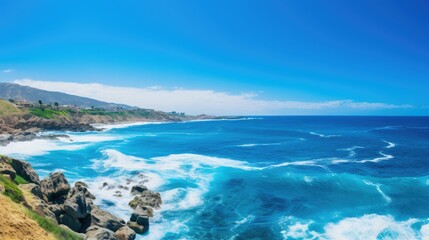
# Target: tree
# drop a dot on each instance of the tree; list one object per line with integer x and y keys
{"x": 40, "y": 103}
{"x": 56, "y": 105}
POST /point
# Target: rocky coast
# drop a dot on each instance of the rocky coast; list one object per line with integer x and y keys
{"x": 72, "y": 207}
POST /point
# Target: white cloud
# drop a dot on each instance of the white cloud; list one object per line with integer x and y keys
{"x": 8, "y": 70}
{"x": 203, "y": 101}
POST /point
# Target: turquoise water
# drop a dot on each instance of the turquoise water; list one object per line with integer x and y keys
{"x": 258, "y": 178}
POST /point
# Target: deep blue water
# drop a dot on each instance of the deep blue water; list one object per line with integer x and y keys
{"x": 259, "y": 178}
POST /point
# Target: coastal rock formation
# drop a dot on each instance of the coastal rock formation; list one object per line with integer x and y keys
{"x": 147, "y": 198}
{"x": 33, "y": 188}
{"x": 25, "y": 170}
{"x": 55, "y": 187}
{"x": 143, "y": 205}
{"x": 98, "y": 233}
{"x": 104, "y": 219}
{"x": 6, "y": 168}
{"x": 125, "y": 233}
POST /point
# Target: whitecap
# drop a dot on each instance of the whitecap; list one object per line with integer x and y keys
{"x": 370, "y": 226}
{"x": 37, "y": 147}
{"x": 389, "y": 144}
{"x": 378, "y": 187}
{"x": 323, "y": 136}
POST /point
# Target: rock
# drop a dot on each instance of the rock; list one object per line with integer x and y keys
{"x": 99, "y": 233}
{"x": 80, "y": 184}
{"x": 55, "y": 186}
{"x": 118, "y": 194}
{"x": 70, "y": 222}
{"x": 77, "y": 206}
{"x": 56, "y": 210}
{"x": 125, "y": 233}
{"x": 137, "y": 228}
{"x": 26, "y": 171}
{"x": 141, "y": 211}
{"x": 104, "y": 219}
{"x": 33, "y": 188}
{"x": 6, "y": 168}
{"x": 147, "y": 198}
{"x": 138, "y": 189}
{"x": 80, "y": 188}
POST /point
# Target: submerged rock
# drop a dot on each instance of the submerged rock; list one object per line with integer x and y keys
{"x": 55, "y": 186}
{"x": 138, "y": 189}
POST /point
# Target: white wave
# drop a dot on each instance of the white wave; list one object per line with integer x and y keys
{"x": 91, "y": 138}
{"x": 424, "y": 231}
{"x": 294, "y": 228}
{"x": 107, "y": 127}
{"x": 378, "y": 159}
{"x": 370, "y": 226}
{"x": 37, "y": 147}
{"x": 258, "y": 144}
{"x": 324, "y": 136}
{"x": 389, "y": 144}
{"x": 378, "y": 187}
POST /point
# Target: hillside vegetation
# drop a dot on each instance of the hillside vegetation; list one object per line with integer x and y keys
{"x": 8, "y": 108}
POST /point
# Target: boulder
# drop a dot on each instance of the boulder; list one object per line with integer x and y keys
{"x": 136, "y": 227}
{"x": 70, "y": 222}
{"x": 56, "y": 210}
{"x": 6, "y": 168}
{"x": 141, "y": 212}
{"x": 80, "y": 187}
{"x": 33, "y": 188}
{"x": 55, "y": 186}
{"x": 99, "y": 233}
{"x": 125, "y": 233}
{"x": 104, "y": 219}
{"x": 138, "y": 189}
{"x": 147, "y": 198}
{"x": 40, "y": 207}
{"x": 26, "y": 171}
{"x": 77, "y": 206}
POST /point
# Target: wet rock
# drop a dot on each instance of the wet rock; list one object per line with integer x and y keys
{"x": 99, "y": 233}
{"x": 77, "y": 206}
{"x": 70, "y": 222}
{"x": 55, "y": 186}
{"x": 104, "y": 219}
{"x": 141, "y": 212}
{"x": 125, "y": 233}
{"x": 26, "y": 171}
{"x": 136, "y": 227}
{"x": 147, "y": 198}
{"x": 118, "y": 194}
{"x": 138, "y": 189}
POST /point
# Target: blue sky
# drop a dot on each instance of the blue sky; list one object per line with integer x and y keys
{"x": 265, "y": 52}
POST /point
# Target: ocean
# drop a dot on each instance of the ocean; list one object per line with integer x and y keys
{"x": 285, "y": 177}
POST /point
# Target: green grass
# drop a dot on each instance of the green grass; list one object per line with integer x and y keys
{"x": 52, "y": 227}
{"x": 20, "y": 180}
{"x": 11, "y": 189}
{"x": 49, "y": 113}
